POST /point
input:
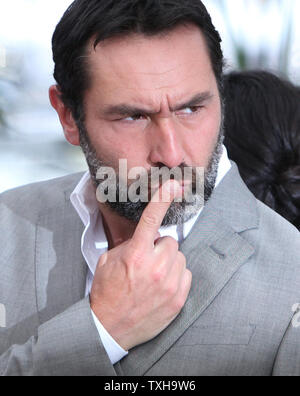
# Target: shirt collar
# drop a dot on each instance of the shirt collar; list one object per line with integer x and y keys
{"x": 83, "y": 198}
{"x": 224, "y": 167}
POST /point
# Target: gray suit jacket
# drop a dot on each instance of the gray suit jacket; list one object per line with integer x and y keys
{"x": 238, "y": 319}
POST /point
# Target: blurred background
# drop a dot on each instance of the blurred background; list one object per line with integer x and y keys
{"x": 256, "y": 34}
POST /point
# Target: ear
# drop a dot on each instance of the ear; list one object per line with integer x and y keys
{"x": 65, "y": 116}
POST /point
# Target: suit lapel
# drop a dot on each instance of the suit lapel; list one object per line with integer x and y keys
{"x": 214, "y": 251}
{"x": 60, "y": 268}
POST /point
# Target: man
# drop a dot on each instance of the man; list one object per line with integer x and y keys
{"x": 126, "y": 288}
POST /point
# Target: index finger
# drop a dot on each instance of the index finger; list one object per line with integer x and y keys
{"x": 152, "y": 217}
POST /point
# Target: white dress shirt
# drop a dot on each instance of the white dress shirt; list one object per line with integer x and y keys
{"x": 94, "y": 242}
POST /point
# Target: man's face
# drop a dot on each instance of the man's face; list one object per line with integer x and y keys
{"x": 153, "y": 101}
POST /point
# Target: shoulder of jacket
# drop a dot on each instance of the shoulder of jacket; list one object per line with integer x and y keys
{"x": 273, "y": 221}
{"x": 278, "y": 246}
{"x": 41, "y": 196}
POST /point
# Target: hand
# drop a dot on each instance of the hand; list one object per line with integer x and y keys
{"x": 141, "y": 286}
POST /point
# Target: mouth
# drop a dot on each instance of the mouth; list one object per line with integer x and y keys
{"x": 185, "y": 191}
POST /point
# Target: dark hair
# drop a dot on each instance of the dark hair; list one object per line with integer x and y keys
{"x": 262, "y": 135}
{"x": 104, "y": 19}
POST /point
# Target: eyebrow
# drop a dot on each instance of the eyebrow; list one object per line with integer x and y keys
{"x": 125, "y": 110}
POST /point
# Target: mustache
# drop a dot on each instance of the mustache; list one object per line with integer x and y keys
{"x": 140, "y": 184}
{"x": 184, "y": 174}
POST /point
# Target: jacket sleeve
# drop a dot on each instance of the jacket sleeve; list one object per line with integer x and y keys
{"x": 67, "y": 345}
{"x": 287, "y": 361}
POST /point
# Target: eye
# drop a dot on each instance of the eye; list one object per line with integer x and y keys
{"x": 190, "y": 110}
{"x": 135, "y": 117}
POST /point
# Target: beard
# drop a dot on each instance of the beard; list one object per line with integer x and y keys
{"x": 178, "y": 212}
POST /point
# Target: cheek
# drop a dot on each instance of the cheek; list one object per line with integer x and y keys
{"x": 210, "y": 131}
{"x": 205, "y": 138}
{"x": 111, "y": 145}
{"x": 212, "y": 123}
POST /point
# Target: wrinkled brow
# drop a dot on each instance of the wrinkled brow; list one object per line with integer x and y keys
{"x": 125, "y": 109}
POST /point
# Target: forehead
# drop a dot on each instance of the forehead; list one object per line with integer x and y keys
{"x": 145, "y": 69}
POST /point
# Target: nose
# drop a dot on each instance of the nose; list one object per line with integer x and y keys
{"x": 165, "y": 143}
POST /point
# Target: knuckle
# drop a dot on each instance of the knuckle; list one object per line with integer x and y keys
{"x": 173, "y": 244}
{"x": 103, "y": 259}
{"x": 170, "y": 291}
{"x": 133, "y": 256}
{"x": 181, "y": 258}
{"x": 189, "y": 275}
{"x": 150, "y": 220}
{"x": 177, "y": 304}
{"x": 187, "y": 280}
{"x": 158, "y": 275}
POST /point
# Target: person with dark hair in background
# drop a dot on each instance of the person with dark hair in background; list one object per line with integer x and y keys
{"x": 155, "y": 288}
{"x": 262, "y": 135}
